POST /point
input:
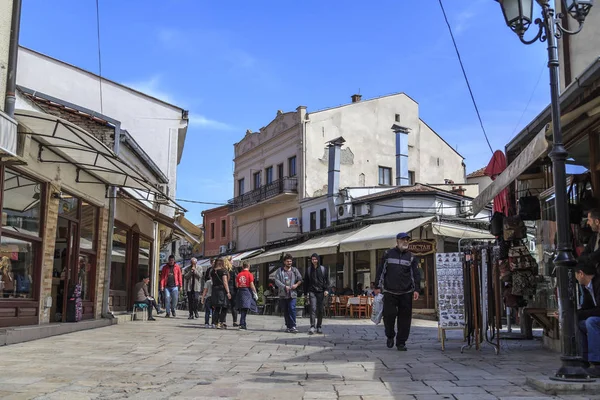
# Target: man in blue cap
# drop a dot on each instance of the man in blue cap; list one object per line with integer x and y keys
{"x": 399, "y": 278}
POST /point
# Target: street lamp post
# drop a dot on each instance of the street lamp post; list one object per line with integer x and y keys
{"x": 185, "y": 251}
{"x": 518, "y": 15}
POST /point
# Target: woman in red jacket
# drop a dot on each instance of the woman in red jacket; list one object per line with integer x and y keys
{"x": 171, "y": 282}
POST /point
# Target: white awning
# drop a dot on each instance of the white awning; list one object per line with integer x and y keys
{"x": 460, "y": 231}
{"x": 380, "y": 236}
{"x": 247, "y": 254}
{"x": 322, "y": 245}
{"x": 62, "y": 142}
{"x": 268, "y": 256}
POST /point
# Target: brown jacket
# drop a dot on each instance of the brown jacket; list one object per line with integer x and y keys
{"x": 140, "y": 292}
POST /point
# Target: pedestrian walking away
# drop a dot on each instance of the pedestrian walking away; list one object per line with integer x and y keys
{"x": 142, "y": 296}
{"x": 171, "y": 283}
{"x": 231, "y": 270}
{"x": 399, "y": 279}
{"x": 193, "y": 286}
{"x": 246, "y": 294}
{"x": 221, "y": 296}
{"x": 316, "y": 284}
{"x": 206, "y": 301}
{"x": 287, "y": 279}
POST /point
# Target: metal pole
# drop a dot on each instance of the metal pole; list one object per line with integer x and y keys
{"x": 572, "y": 364}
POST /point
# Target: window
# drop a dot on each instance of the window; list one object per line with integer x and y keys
{"x": 292, "y": 166}
{"x": 385, "y": 176}
{"x": 89, "y": 215}
{"x": 269, "y": 175}
{"x": 323, "y": 218}
{"x": 118, "y": 260}
{"x": 280, "y": 171}
{"x": 143, "y": 267}
{"x": 256, "y": 180}
{"x": 411, "y": 177}
{"x": 18, "y": 263}
{"x": 212, "y": 230}
{"x": 21, "y": 212}
{"x": 223, "y": 228}
{"x": 397, "y": 117}
{"x": 241, "y": 187}
{"x": 313, "y": 221}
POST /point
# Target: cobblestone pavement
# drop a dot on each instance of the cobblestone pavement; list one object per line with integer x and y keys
{"x": 180, "y": 359}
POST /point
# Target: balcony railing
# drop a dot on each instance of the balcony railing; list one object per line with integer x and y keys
{"x": 265, "y": 192}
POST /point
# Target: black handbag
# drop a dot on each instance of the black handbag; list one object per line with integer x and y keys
{"x": 496, "y": 224}
{"x": 529, "y": 208}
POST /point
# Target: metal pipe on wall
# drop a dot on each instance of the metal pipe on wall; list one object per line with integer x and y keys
{"x": 13, "y": 54}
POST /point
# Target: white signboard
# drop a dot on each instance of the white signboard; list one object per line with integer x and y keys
{"x": 293, "y": 223}
{"x": 451, "y": 295}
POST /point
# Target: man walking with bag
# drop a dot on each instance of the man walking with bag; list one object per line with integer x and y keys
{"x": 316, "y": 284}
{"x": 399, "y": 279}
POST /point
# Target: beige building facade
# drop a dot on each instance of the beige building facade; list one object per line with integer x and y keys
{"x": 287, "y": 161}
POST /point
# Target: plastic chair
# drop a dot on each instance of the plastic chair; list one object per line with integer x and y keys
{"x": 143, "y": 307}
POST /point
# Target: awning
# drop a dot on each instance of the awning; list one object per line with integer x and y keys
{"x": 535, "y": 149}
{"x": 268, "y": 256}
{"x": 380, "y": 236}
{"x": 62, "y": 142}
{"x": 460, "y": 231}
{"x": 247, "y": 254}
{"x": 322, "y": 245}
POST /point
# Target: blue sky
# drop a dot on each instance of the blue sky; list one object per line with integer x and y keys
{"x": 233, "y": 64}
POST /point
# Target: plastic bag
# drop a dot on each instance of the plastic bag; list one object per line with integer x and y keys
{"x": 377, "y": 309}
{"x": 255, "y": 296}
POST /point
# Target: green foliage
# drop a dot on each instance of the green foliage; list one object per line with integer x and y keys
{"x": 261, "y": 296}
{"x": 300, "y": 301}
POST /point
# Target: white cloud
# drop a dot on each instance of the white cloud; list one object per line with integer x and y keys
{"x": 202, "y": 121}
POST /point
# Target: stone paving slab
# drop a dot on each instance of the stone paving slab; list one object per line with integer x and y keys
{"x": 180, "y": 359}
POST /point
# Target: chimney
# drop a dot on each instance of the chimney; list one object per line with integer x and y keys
{"x": 401, "y": 132}
{"x": 460, "y": 190}
{"x": 333, "y": 174}
{"x": 356, "y": 98}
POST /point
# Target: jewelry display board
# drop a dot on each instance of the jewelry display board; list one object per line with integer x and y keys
{"x": 450, "y": 289}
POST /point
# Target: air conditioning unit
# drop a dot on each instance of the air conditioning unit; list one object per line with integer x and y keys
{"x": 362, "y": 210}
{"x": 222, "y": 249}
{"x": 231, "y": 246}
{"x": 344, "y": 211}
{"x": 466, "y": 207}
{"x": 162, "y": 198}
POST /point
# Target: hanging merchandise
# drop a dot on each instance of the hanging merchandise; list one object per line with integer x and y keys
{"x": 496, "y": 224}
{"x": 449, "y": 276}
{"x": 519, "y": 258}
{"x": 514, "y": 228}
{"x": 529, "y": 207}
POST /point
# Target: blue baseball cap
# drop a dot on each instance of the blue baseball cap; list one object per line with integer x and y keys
{"x": 402, "y": 235}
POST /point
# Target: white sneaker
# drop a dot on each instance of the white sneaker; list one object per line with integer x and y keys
{"x": 207, "y": 326}
{"x": 311, "y": 331}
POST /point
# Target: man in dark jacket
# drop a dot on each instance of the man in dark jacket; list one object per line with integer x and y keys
{"x": 316, "y": 284}
{"x": 399, "y": 279}
{"x": 588, "y": 314}
{"x": 592, "y": 248}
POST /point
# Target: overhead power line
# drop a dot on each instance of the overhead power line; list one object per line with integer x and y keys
{"x": 466, "y": 79}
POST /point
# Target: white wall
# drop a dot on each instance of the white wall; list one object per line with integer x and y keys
{"x": 371, "y": 143}
{"x": 481, "y": 181}
{"x": 153, "y": 124}
{"x": 315, "y": 206}
{"x": 584, "y": 48}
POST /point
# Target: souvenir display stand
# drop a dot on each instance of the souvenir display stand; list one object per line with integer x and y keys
{"x": 449, "y": 270}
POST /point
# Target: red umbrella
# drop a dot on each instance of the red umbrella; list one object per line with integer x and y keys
{"x": 495, "y": 167}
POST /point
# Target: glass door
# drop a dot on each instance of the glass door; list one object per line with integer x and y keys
{"x": 67, "y": 249}
{"x": 426, "y": 289}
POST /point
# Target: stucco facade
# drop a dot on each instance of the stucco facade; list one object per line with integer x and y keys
{"x": 158, "y": 127}
{"x": 577, "y": 52}
{"x": 370, "y": 144}
{"x": 217, "y": 231}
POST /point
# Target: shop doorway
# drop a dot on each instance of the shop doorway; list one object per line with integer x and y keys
{"x": 65, "y": 267}
{"x": 424, "y": 251}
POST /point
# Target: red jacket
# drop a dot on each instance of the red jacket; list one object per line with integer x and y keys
{"x": 165, "y": 272}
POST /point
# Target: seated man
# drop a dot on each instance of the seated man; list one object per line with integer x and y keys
{"x": 588, "y": 314}
{"x": 142, "y": 296}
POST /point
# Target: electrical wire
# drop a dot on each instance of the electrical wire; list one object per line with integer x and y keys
{"x": 529, "y": 101}
{"x": 465, "y": 75}
{"x": 99, "y": 54}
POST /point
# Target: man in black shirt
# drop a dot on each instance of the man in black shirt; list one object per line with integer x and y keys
{"x": 399, "y": 278}
{"x": 316, "y": 284}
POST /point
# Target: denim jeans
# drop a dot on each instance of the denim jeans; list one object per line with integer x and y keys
{"x": 589, "y": 335}
{"x": 288, "y": 307}
{"x": 207, "y": 311}
{"x": 171, "y": 299}
{"x": 243, "y": 313}
{"x": 316, "y": 308}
